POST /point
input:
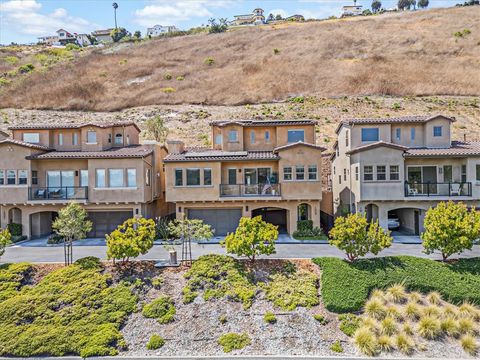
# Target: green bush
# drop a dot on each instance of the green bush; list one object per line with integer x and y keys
{"x": 168, "y": 90}
{"x": 157, "y": 282}
{"x": 161, "y": 309}
{"x": 12, "y": 60}
{"x": 321, "y": 319}
{"x": 4, "y": 81}
{"x": 306, "y": 231}
{"x": 209, "y": 61}
{"x": 349, "y": 323}
{"x": 71, "y": 47}
{"x": 234, "y": 341}
{"x": 15, "y": 229}
{"x": 12, "y": 278}
{"x": 26, "y": 68}
{"x": 336, "y": 347}
{"x": 54, "y": 239}
{"x": 155, "y": 342}
{"x": 167, "y": 76}
{"x": 89, "y": 263}
{"x": 346, "y": 286}
{"x": 270, "y": 318}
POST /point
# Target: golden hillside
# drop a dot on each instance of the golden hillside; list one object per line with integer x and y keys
{"x": 414, "y": 53}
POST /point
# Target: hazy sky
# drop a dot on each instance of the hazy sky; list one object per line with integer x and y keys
{"x": 23, "y": 21}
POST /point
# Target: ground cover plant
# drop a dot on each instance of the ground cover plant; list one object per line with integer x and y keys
{"x": 72, "y": 310}
{"x": 162, "y": 309}
{"x": 234, "y": 341}
{"x": 346, "y": 286}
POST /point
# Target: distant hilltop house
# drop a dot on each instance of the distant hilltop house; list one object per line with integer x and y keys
{"x": 103, "y": 36}
{"x": 158, "y": 30}
{"x": 255, "y": 18}
{"x": 295, "y": 17}
{"x": 352, "y": 10}
{"x": 65, "y": 37}
{"x": 48, "y": 40}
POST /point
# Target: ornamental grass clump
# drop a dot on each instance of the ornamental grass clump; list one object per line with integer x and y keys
{"x": 412, "y": 310}
{"x": 397, "y": 293}
{"x": 469, "y": 344}
{"x": 388, "y": 326}
{"x": 375, "y": 308}
{"x": 366, "y": 341}
{"x": 429, "y": 327}
{"x": 385, "y": 343}
{"x": 449, "y": 326}
{"x": 434, "y": 298}
{"x": 404, "y": 343}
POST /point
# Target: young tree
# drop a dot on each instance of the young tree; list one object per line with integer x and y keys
{"x": 354, "y": 235}
{"x": 134, "y": 237}
{"x": 270, "y": 17}
{"x": 156, "y": 129}
{"x": 71, "y": 224}
{"x": 118, "y": 34}
{"x": 413, "y": 3}
{"x": 450, "y": 228}
{"x": 188, "y": 230}
{"x": 423, "y": 4}
{"x": 252, "y": 237}
{"x": 137, "y": 34}
{"x": 278, "y": 17}
{"x": 5, "y": 239}
{"x": 376, "y": 5}
{"x": 404, "y": 4}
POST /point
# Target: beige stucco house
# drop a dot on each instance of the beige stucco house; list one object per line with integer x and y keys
{"x": 400, "y": 167}
{"x": 267, "y": 168}
{"x": 101, "y": 166}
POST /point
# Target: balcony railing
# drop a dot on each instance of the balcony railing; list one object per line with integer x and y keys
{"x": 450, "y": 189}
{"x": 58, "y": 193}
{"x": 242, "y": 190}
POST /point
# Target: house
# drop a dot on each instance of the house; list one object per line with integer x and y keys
{"x": 103, "y": 36}
{"x": 158, "y": 30}
{"x": 255, "y": 18}
{"x": 3, "y": 135}
{"x": 82, "y": 39}
{"x": 102, "y": 166}
{"x": 352, "y": 10}
{"x": 295, "y": 17}
{"x": 48, "y": 40}
{"x": 269, "y": 168}
{"x": 400, "y": 167}
{"x": 64, "y": 37}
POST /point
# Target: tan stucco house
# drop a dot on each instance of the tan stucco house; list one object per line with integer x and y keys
{"x": 101, "y": 166}
{"x": 268, "y": 168}
{"x": 400, "y": 167}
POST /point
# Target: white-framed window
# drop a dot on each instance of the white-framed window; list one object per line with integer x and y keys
{"x": 347, "y": 134}
{"x": 2, "y": 177}
{"x": 193, "y": 177}
{"x": 60, "y": 139}
{"x": 334, "y": 170}
{"x": 437, "y": 131}
{"x": 218, "y": 139}
{"x": 344, "y": 174}
{"x": 34, "y": 177}
{"x": 11, "y": 177}
{"x": 296, "y": 136}
{"x": 91, "y": 137}
{"x": 32, "y": 138}
{"x": 339, "y": 179}
{"x": 148, "y": 177}
{"x": 477, "y": 172}
{"x": 207, "y": 177}
{"x": 118, "y": 139}
{"x": 312, "y": 172}
{"x": 370, "y": 134}
{"x": 464, "y": 173}
{"x": 368, "y": 173}
{"x": 394, "y": 172}
{"x": 287, "y": 173}
{"x": 267, "y": 136}
{"x": 299, "y": 172}
{"x": 233, "y": 136}
{"x": 83, "y": 178}
{"x": 381, "y": 173}
{"x": 100, "y": 178}
{"x": 115, "y": 178}
{"x": 131, "y": 178}
{"x": 75, "y": 138}
{"x": 357, "y": 170}
{"x": 252, "y": 137}
{"x": 22, "y": 177}
{"x": 178, "y": 177}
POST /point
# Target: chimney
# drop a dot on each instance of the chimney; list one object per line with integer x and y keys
{"x": 175, "y": 146}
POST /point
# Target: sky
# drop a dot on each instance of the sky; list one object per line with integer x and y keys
{"x": 22, "y": 21}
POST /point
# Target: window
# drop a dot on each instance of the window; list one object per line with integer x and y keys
{"x": 296, "y": 136}
{"x": 356, "y": 173}
{"x": 370, "y": 134}
{"x": 118, "y": 139}
{"x": 346, "y": 137}
{"x": 381, "y": 172}
{"x": 11, "y": 177}
{"x": 437, "y": 131}
{"x": 60, "y": 139}
{"x": 100, "y": 178}
{"x": 394, "y": 172}
{"x": 2, "y": 177}
{"x": 412, "y": 134}
{"x": 109, "y": 138}
{"x": 148, "y": 177}
{"x": 368, "y": 173}
{"x": 91, "y": 137}
{"x": 75, "y": 139}
{"x": 178, "y": 177}
{"x": 233, "y": 136}
{"x": 334, "y": 170}
{"x": 398, "y": 133}
{"x": 477, "y": 168}
{"x": 218, "y": 139}
{"x": 84, "y": 178}
{"x": 339, "y": 179}
{"x": 128, "y": 139}
{"x": 232, "y": 176}
{"x": 252, "y": 137}
{"x": 193, "y": 177}
{"x": 337, "y": 151}
{"x": 34, "y": 177}
{"x": 464, "y": 173}
{"x": 299, "y": 172}
{"x": 115, "y": 178}
{"x": 33, "y": 138}
{"x": 267, "y": 136}
{"x": 131, "y": 178}
{"x": 312, "y": 172}
{"x": 344, "y": 174}
{"x": 287, "y": 173}
{"x": 22, "y": 177}
{"x": 207, "y": 176}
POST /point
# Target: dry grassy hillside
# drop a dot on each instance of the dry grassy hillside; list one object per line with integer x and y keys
{"x": 414, "y": 53}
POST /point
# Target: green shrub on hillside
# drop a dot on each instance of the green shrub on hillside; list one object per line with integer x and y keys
{"x": 162, "y": 309}
{"x": 346, "y": 286}
{"x": 233, "y": 341}
{"x": 26, "y": 68}
{"x": 12, "y": 278}
{"x": 155, "y": 342}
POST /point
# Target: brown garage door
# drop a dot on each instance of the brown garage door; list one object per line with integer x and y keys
{"x": 104, "y": 222}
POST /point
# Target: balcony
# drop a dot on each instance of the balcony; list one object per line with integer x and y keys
{"x": 58, "y": 193}
{"x": 242, "y": 190}
{"x": 431, "y": 189}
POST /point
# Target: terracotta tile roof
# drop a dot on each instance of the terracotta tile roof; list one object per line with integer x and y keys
{"x": 458, "y": 148}
{"x": 377, "y": 144}
{"x": 392, "y": 120}
{"x": 24, "y": 144}
{"x": 204, "y": 154}
{"x": 263, "y": 122}
{"x": 102, "y": 125}
{"x": 288, "y": 146}
{"x": 134, "y": 151}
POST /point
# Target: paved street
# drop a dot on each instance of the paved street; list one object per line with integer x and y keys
{"x": 18, "y": 253}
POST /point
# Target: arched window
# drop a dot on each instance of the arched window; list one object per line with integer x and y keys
{"x": 303, "y": 212}
{"x": 118, "y": 139}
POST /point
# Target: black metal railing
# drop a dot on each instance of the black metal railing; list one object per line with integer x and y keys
{"x": 58, "y": 193}
{"x": 241, "y": 190}
{"x": 449, "y": 189}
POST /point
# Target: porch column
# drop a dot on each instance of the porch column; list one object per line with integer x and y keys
{"x": 315, "y": 215}
{"x": 383, "y": 217}
{"x": 292, "y": 219}
{"x": 26, "y": 228}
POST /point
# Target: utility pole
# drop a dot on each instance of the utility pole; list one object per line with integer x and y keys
{"x": 115, "y": 7}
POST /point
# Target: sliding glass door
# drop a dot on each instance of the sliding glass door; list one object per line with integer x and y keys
{"x": 61, "y": 183}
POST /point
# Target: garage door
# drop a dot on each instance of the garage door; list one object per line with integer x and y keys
{"x": 222, "y": 220}
{"x": 104, "y": 222}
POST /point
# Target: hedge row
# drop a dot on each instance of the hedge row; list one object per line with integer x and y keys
{"x": 346, "y": 286}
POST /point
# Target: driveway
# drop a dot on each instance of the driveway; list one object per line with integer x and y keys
{"x": 404, "y": 238}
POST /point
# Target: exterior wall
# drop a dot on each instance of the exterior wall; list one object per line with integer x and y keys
{"x": 232, "y": 145}
{"x": 384, "y": 133}
{"x": 437, "y": 142}
{"x": 44, "y": 136}
{"x": 42, "y": 166}
{"x": 282, "y": 133}
{"x": 13, "y": 158}
{"x": 260, "y": 142}
{"x": 405, "y": 135}
{"x": 242, "y": 165}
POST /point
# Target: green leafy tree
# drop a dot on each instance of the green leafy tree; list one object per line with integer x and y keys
{"x": 71, "y": 224}
{"x": 219, "y": 27}
{"x": 354, "y": 235}
{"x": 450, "y": 228}
{"x": 404, "y": 4}
{"x": 278, "y": 17}
{"x": 376, "y": 5}
{"x": 5, "y": 239}
{"x": 131, "y": 239}
{"x": 118, "y": 34}
{"x": 188, "y": 230}
{"x": 156, "y": 129}
{"x": 252, "y": 237}
{"x": 137, "y": 34}
{"x": 423, "y": 4}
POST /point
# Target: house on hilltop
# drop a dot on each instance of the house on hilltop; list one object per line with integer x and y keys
{"x": 158, "y": 30}
{"x": 255, "y": 18}
{"x": 352, "y": 10}
{"x": 103, "y": 36}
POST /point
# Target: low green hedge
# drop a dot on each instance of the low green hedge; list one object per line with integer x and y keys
{"x": 346, "y": 286}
